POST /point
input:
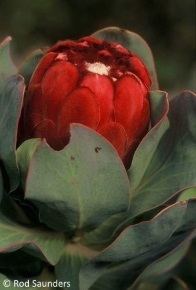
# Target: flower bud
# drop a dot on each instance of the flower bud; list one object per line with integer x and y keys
{"x": 93, "y": 82}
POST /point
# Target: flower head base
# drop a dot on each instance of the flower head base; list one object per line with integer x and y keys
{"x": 93, "y": 82}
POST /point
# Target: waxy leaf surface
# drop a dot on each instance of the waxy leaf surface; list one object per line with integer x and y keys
{"x": 11, "y": 98}
{"x": 28, "y": 66}
{"x": 81, "y": 185}
{"x": 106, "y": 233}
{"x": 161, "y": 266}
{"x": 68, "y": 268}
{"x": 141, "y": 244}
{"x": 7, "y": 67}
{"x": 43, "y": 243}
{"x": 164, "y": 162}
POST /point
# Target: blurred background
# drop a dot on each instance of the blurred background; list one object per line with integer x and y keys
{"x": 168, "y": 26}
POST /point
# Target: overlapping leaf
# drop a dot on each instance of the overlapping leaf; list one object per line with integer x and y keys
{"x": 24, "y": 154}
{"x": 29, "y": 65}
{"x": 82, "y": 185}
{"x": 43, "y": 243}
{"x": 11, "y": 98}
{"x": 153, "y": 277}
{"x": 164, "y": 163}
{"x": 176, "y": 283}
{"x": 7, "y": 67}
{"x": 85, "y": 187}
{"x": 133, "y": 42}
{"x": 161, "y": 266}
{"x": 141, "y": 244}
{"x": 187, "y": 194}
{"x": 106, "y": 233}
{"x": 69, "y": 266}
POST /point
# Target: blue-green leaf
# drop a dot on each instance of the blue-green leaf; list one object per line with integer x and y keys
{"x": 7, "y": 67}
{"x": 42, "y": 243}
{"x": 82, "y": 185}
{"x": 141, "y": 244}
{"x": 28, "y": 66}
{"x": 11, "y": 99}
{"x": 164, "y": 162}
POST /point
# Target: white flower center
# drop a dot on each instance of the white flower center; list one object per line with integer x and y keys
{"x": 61, "y": 56}
{"x": 98, "y": 67}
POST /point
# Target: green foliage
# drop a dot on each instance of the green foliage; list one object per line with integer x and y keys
{"x": 140, "y": 245}
{"x": 87, "y": 177}
{"x": 28, "y": 66}
{"x": 69, "y": 266}
{"x": 76, "y": 215}
{"x": 7, "y": 67}
{"x": 11, "y": 98}
{"x": 14, "y": 236}
{"x": 166, "y": 164}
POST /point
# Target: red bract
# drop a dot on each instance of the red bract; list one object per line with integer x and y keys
{"x": 99, "y": 84}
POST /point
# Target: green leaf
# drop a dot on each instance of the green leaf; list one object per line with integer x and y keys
{"x": 89, "y": 182}
{"x": 105, "y": 233}
{"x": 164, "y": 162}
{"x": 15, "y": 210}
{"x": 123, "y": 274}
{"x": 68, "y": 268}
{"x": 150, "y": 286}
{"x": 24, "y": 154}
{"x": 176, "y": 283}
{"x": 14, "y": 236}
{"x": 185, "y": 269}
{"x": 28, "y": 66}
{"x": 141, "y": 244}
{"x": 7, "y": 67}
{"x": 148, "y": 147}
{"x": 187, "y": 194}
{"x": 157, "y": 269}
{"x": 159, "y": 106}
{"x": 108, "y": 230}
{"x": 133, "y": 42}
{"x": 11, "y": 99}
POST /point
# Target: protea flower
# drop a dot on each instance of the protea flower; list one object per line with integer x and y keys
{"x": 93, "y": 82}
{"x": 76, "y": 218}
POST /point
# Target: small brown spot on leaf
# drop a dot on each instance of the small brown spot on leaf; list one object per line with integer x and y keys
{"x": 73, "y": 181}
{"x": 97, "y": 149}
{"x": 72, "y": 158}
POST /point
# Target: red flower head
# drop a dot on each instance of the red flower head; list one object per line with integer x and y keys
{"x": 99, "y": 84}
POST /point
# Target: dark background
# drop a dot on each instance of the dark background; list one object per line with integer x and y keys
{"x": 168, "y": 26}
